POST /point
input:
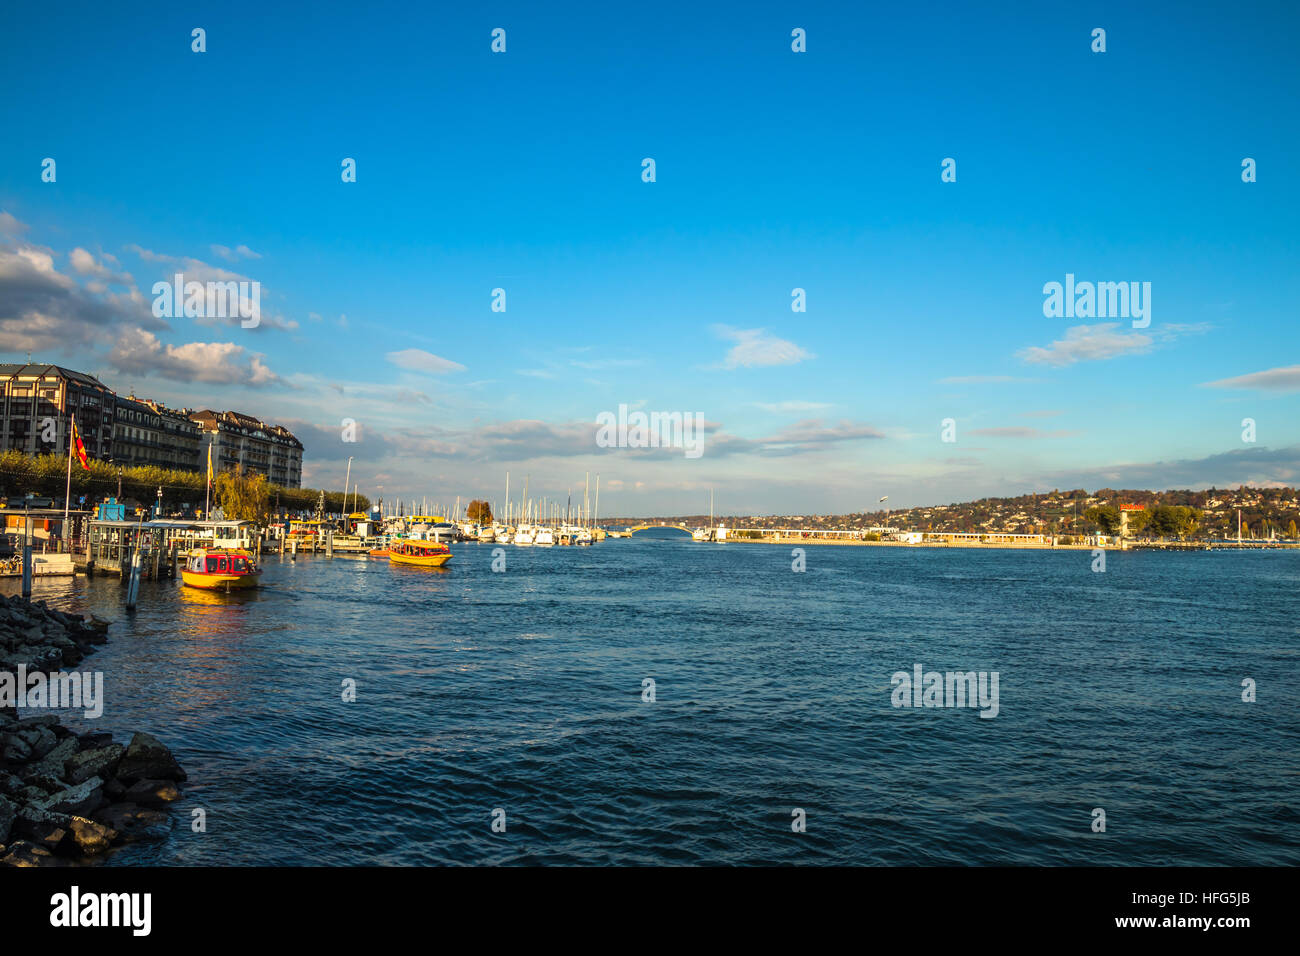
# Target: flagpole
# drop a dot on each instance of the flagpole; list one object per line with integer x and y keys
{"x": 67, "y": 494}
{"x": 207, "y": 494}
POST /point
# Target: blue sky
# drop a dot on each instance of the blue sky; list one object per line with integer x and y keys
{"x": 775, "y": 170}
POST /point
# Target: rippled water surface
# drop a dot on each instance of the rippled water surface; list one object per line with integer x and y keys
{"x": 522, "y": 690}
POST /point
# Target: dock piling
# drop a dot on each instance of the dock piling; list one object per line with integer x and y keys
{"x": 133, "y": 585}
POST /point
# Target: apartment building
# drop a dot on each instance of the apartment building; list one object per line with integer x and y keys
{"x": 149, "y": 433}
{"x": 254, "y": 445}
{"x": 38, "y": 401}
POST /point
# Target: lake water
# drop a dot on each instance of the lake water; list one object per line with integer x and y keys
{"x": 522, "y": 690}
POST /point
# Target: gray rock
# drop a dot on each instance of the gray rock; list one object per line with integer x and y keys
{"x": 82, "y": 799}
{"x": 88, "y": 837}
{"x": 100, "y": 762}
{"x": 7, "y": 814}
{"x": 43, "y": 782}
{"x": 42, "y": 827}
{"x": 22, "y": 853}
{"x": 134, "y": 823}
{"x": 29, "y": 795}
{"x": 147, "y": 759}
{"x": 52, "y": 763}
{"x": 40, "y": 739}
{"x": 152, "y": 793}
{"x": 15, "y": 749}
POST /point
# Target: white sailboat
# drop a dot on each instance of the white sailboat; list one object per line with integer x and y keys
{"x": 704, "y": 534}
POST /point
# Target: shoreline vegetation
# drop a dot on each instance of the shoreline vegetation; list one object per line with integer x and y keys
{"x": 244, "y": 495}
{"x": 67, "y": 797}
{"x": 1126, "y": 545}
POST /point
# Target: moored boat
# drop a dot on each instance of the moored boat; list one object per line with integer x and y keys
{"x": 225, "y": 569}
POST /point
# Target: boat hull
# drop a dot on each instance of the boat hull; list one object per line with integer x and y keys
{"x": 421, "y": 560}
{"x": 219, "y": 582}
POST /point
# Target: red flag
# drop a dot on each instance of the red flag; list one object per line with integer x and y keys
{"x": 78, "y": 446}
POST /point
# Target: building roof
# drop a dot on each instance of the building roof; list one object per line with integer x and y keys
{"x": 215, "y": 421}
{"x": 40, "y": 369}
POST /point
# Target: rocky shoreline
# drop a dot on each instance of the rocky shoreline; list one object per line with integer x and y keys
{"x": 68, "y": 797}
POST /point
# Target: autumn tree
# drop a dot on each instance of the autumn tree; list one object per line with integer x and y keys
{"x": 479, "y": 511}
{"x": 244, "y": 496}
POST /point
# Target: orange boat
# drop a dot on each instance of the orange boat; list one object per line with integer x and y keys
{"x": 423, "y": 554}
{"x": 378, "y": 552}
{"x": 225, "y": 569}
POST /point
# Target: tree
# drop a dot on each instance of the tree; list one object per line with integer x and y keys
{"x": 1104, "y": 516}
{"x": 1291, "y": 530}
{"x": 1174, "y": 520}
{"x": 479, "y": 511}
{"x": 244, "y": 497}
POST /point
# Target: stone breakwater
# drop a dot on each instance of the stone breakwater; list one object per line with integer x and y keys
{"x": 65, "y": 796}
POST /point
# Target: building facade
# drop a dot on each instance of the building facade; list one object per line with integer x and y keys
{"x": 149, "y": 433}
{"x": 252, "y": 444}
{"x": 39, "y": 400}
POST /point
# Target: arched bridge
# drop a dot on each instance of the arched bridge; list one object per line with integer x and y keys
{"x": 646, "y": 527}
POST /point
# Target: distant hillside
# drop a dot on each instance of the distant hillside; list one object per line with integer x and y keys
{"x": 1264, "y": 511}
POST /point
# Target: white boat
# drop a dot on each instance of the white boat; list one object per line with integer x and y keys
{"x": 583, "y": 537}
{"x": 544, "y": 538}
{"x": 523, "y": 536}
{"x": 700, "y": 534}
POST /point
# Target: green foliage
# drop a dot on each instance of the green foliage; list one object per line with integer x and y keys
{"x": 243, "y": 497}
{"x": 1173, "y": 521}
{"x": 45, "y": 475}
{"x": 1105, "y": 517}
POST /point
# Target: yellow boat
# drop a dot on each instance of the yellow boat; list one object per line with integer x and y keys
{"x": 225, "y": 569}
{"x": 424, "y": 554}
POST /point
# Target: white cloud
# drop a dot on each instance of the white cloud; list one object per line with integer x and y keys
{"x": 9, "y": 226}
{"x": 1085, "y": 343}
{"x": 754, "y": 348}
{"x": 418, "y": 360}
{"x": 234, "y": 255}
{"x": 793, "y": 405}
{"x": 1282, "y": 379}
{"x": 220, "y": 363}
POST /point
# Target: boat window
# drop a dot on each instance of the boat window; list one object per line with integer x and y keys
{"x": 221, "y": 563}
{"x": 212, "y": 565}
